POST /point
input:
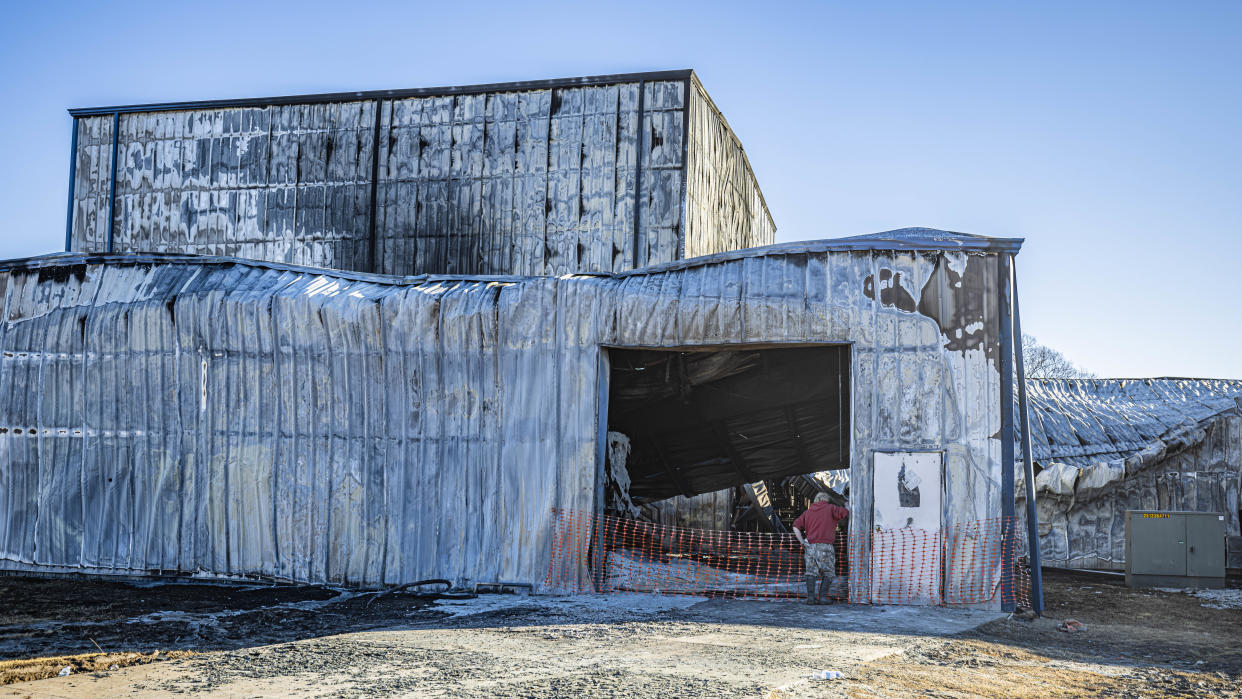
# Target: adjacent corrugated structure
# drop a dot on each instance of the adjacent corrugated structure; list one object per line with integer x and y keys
{"x": 599, "y": 174}
{"x": 1108, "y": 445}
{"x": 166, "y": 413}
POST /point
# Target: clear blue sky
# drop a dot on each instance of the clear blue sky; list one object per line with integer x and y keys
{"x": 1109, "y": 135}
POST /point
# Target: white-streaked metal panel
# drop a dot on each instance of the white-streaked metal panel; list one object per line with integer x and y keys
{"x": 524, "y": 180}
{"x": 239, "y": 418}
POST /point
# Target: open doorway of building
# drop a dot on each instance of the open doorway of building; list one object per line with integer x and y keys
{"x": 742, "y": 428}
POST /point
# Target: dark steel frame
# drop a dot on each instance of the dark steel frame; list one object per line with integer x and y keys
{"x": 687, "y": 86}
{"x": 603, "y": 385}
{"x": 1011, "y": 348}
{"x": 1005, "y": 290}
{"x": 371, "y": 225}
{"x": 1028, "y": 460}
{"x": 640, "y": 131}
{"x": 73, "y": 174}
{"x": 116, "y": 135}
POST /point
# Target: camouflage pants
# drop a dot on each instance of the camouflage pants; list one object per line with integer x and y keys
{"x": 821, "y": 560}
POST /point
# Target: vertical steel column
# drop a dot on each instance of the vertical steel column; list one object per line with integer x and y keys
{"x": 371, "y": 229}
{"x": 598, "y": 556}
{"x": 638, "y": 171}
{"x": 684, "y": 225}
{"x": 1028, "y": 459}
{"x": 116, "y": 134}
{"x": 73, "y": 174}
{"x": 1007, "y": 456}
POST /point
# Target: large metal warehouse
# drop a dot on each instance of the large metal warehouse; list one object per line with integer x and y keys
{"x": 374, "y": 338}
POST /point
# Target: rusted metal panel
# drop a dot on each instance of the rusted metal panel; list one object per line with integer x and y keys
{"x": 1108, "y": 445}
{"x": 513, "y": 179}
{"x": 181, "y": 413}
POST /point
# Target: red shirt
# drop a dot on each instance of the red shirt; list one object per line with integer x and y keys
{"x": 819, "y": 523}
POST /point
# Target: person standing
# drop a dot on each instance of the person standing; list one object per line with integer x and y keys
{"x": 816, "y": 530}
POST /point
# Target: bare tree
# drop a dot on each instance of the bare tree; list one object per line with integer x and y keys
{"x": 1043, "y": 362}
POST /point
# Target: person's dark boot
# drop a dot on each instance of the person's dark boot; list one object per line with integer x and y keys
{"x": 824, "y": 583}
{"x": 810, "y": 590}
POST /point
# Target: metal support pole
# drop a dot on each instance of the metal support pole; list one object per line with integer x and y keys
{"x": 599, "y": 558}
{"x": 371, "y": 227}
{"x": 1028, "y": 460}
{"x": 684, "y": 226}
{"x": 638, "y": 176}
{"x": 116, "y": 134}
{"x": 1007, "y": 456}
{"x": 73, "y": 175}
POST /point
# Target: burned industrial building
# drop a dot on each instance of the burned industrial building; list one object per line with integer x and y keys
{"x": 1105, "y": 446}
{"x": 369, "y": 339}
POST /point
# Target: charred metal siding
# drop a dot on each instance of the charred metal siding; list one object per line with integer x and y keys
{"x": 289, "y": 183}
{"x": 724, "y": 208}
{"x": 92, "y": 180}
{"x": 1108, "y": 445}
{"x": 507, "y": 180}
{"x": 285, "y": 424}
{"x": 182, "y": 414}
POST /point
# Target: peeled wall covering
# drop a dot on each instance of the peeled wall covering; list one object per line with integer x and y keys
{"x": 238, "y": 418}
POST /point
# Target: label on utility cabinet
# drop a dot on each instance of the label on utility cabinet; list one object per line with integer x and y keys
{"x": 1155, "y": 516}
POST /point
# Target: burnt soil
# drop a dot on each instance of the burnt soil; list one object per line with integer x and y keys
{"x": 288, "y": 640}
{"x": 94, "y": 624}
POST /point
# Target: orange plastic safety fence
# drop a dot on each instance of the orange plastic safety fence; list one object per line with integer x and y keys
{"x": 960, "y": 564}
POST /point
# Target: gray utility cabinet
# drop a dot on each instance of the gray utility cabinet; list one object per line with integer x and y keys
{"x": 1177, "y": 549}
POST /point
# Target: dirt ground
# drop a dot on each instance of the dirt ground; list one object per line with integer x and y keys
{"x": 156, "y": 640}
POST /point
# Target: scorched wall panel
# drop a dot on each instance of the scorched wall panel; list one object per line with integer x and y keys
{"x": 724, "y": 208}
{"x": 522, "y": 180}
{"x": 239, "y": 418}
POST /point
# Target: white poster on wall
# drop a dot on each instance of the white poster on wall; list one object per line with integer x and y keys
{"x": 906, "y": 547}
{"x": 907, "y": 490}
